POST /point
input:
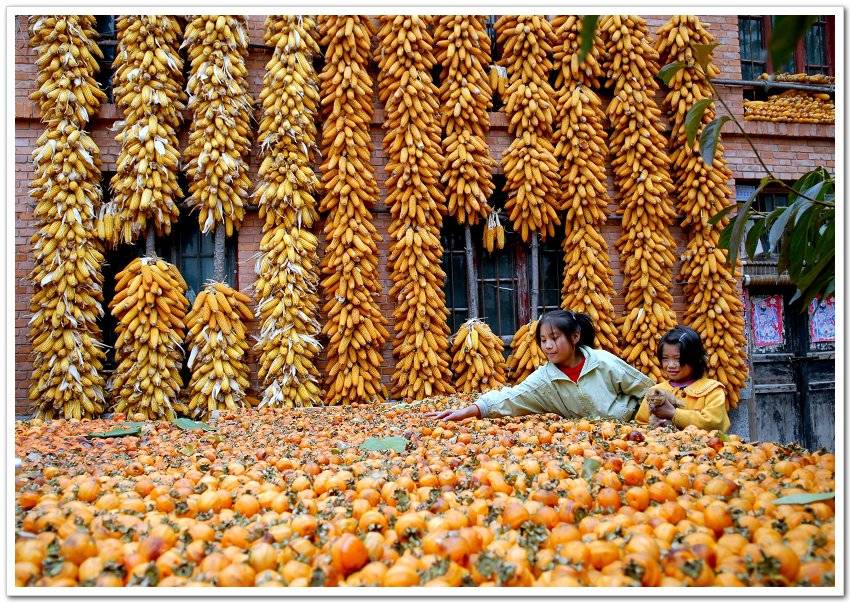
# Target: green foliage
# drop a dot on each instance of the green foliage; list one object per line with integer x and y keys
{"x": 588, "y": 32}
{"x": 787, "y": 31}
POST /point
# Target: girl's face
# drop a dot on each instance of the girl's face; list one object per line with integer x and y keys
{"x": 558, "y": 347}
{"x": 670, "y": 364}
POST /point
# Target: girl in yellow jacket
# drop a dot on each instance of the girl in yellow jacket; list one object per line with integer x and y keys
{"x": 687, "y": 397}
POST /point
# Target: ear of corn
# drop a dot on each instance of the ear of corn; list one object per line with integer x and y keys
{"x": 149, "y": 91}
{"x": 642, "y": 178}
{"x": 150, "y": 308}
{"x": 355, "y": 327}
{"x": 217, "y": 342}
{"x": 498, "y": 78}
{"x": 219, "y": 136}
{"x": 417, "y": 205}
{"x": 477, "y": 361}
{"x": 531, "y": 170}
{"x": 792, "y": 106}
{"x": 526, "y": 355}
{"x": 581, "y": 152}
{"x": 494, "y": 232}
{"x": 66, "y": 88}
{"x": 463, "y": 51}
{"x": 67, "y": 278}
{"x": 287, "y": 271}
{"x": 710, "y": 284}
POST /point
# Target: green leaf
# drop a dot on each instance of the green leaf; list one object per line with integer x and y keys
{"x": 187, "y": 450}
{"x": 723, "y": 437}
{"x": 191, "y": 425}
{"x": 398, "y": 444}
{"x": 589, "y": 468}
{"x": 777, "y": 228}
{"x": 787, "y": 31}
{"x": 702, "y": 54}
{"x": 667, "y": 72}
{"x": 721, "y": 214}
{"x": 805, "y": 498}
{"x": 117, "y": 432}
{"x": 709, "y": 137}
{"x": 753, "y": 237}
{"x": 588, "y": 32}
{"x": 694, "y": 118}
{"x": 730, "y": 238}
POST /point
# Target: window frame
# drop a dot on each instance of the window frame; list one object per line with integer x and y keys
{"x": 799, "y": 56}
{"x": 771, "y": 191}
{"x": 106, "y": 72}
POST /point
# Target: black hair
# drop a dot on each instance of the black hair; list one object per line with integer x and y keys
{"x": 569, "y": 322}
{"x": 691, "y": 350}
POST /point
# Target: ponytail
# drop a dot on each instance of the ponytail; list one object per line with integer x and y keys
{"x": 569, "y": 322}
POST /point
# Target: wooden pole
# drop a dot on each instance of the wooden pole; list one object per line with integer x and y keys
{"x": 471, "y": 276}
{"x": 218, "y": 254}
{"x": 150, "y": 242}
{"x": 535, "y": 275}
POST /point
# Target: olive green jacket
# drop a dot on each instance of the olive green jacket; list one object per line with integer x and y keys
{"x": 607, "y": 387}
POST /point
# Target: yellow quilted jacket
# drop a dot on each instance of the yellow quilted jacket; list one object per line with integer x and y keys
{"x": 702, "y": 403}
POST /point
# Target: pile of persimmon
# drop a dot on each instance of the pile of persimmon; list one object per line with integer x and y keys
{"x": 278, "y": 497}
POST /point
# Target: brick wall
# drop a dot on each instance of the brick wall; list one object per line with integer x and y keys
{"x": 789, "y": 149}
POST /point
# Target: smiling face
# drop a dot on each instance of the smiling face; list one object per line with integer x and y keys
{"x": 559, "y": 348}
{"x": 670, "y": 363}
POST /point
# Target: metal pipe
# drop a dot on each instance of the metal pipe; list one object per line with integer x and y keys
{"x": 471, "y": 276}
{"x": 767, "y": 280}
{"x": 535, "y": 275}
{"x": 150, "y": 242}
{"x": 765, "y": 83}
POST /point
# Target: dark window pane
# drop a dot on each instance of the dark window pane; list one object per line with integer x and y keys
{"x": 459, "y": 281}
{"x": 507, "y": 311}
{"x": 489, "y": 304}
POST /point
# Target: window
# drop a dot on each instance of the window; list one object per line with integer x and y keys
{"x": 498, "y": 284}
{"x": 193, "y": 253}
{"x": 766, "y": 201}
{"x": 107, "y": 42}
{"x": 751, "y": 36}
{"x": 550, "y": 260}
{"x": 814, "y": 52}
{"x": 817, "y": 55}
{"x": 454, "y": 265}
{"x": 188, "y": 249}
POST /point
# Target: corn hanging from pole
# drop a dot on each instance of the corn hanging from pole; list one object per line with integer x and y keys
{"x": 581, "y": 152}
{"x": 67, "y": 298}
{"x": 714, "y": 308}
{"x": 288, "y": 269}
{"x": 417, "y": 206}
{"x": 355, "y": 326}
{"x": 642, "y": 179}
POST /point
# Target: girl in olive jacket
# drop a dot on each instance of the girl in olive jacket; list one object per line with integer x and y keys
{"x": 578, "y": 381}
{"x": 690, "y": 398}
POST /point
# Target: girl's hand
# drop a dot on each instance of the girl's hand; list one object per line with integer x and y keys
{"x": 664, "y": 410}
{"x": 470, "y": 411}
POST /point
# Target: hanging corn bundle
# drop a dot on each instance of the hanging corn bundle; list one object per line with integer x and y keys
{"x": 463, "y": 51}
{"x": 355, "y": 326}
{"x": 217, "y": 342}
{"x": 642, "y": 178}
{"x": 526, "y": 355}
{"x": 498, "y": 77}
{"x": 494, "y": 232}
{"x": 66, "y": 88}
{"x": 148, "y": 89}
{"x": 477, "y": 361}
{"x": 531, "y": 170}
{"x": 287, "y": 271}
{"x": 417, "y": 205}
{"x": 67, "y": 279}
{"x": 221, "y": 112}
{"x": 714, "y": 308}
{"x": 581, "y": 153}
{"x": 150, "y": 307}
